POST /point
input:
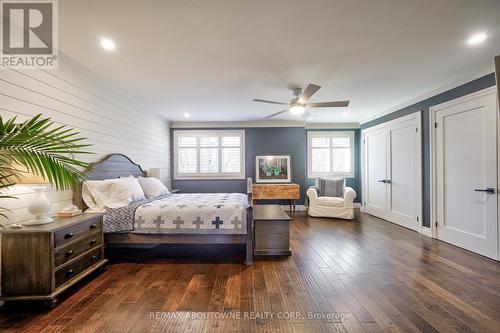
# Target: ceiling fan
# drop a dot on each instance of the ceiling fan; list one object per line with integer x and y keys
{"x": 298, "y": 105}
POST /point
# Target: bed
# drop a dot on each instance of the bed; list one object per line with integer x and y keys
{"x": 191, "y": 218}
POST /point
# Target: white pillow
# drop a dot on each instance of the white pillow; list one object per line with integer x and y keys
{"x": 135, "y": 190}
{"x": 152, "y": 187}
{"x": 111, "y": 193}
{"x": 102, "y": 194}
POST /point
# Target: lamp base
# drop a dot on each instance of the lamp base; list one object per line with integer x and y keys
{"x": 41, "y": 220}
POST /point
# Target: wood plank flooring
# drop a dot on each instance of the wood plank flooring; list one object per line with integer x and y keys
{"x": 362, "y": 276}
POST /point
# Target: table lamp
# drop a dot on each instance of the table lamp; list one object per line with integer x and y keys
{"x": 154, "y": 172}
{"x": 40, "y": 206}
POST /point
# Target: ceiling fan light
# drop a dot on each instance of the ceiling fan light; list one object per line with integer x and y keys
{"x": 297, "y": 110}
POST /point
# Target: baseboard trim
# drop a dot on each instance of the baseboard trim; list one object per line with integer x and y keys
{"x": 426, "y": 231}
{"x": 304, "y": 207}
{"x": 297, "y": 207}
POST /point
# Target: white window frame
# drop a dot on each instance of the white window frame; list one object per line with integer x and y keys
{"x": 204, "y": 133}
{"x": 330, "y": 134}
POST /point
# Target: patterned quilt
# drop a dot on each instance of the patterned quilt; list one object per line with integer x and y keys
{"x": 193, "y": 213}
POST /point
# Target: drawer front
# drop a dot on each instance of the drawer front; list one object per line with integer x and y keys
{"x": 80, "y": 230}
{"x": 70, "y": 271}
{"x": 74, "y": 249}
{"x": 287, "y": 191}
{"x": 276, "y": 191}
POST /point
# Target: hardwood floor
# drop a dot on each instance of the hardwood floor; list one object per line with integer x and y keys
{"x": 363, "y": 276}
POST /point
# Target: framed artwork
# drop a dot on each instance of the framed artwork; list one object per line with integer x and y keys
{"x": 273, "y": 169}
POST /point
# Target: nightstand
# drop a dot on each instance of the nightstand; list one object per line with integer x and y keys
{"x": 40, "y": 262}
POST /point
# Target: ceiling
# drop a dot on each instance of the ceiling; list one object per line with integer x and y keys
{"x": 211, "y": 58}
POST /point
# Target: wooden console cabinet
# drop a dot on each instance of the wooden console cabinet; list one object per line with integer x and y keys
{"x": 287, "y": 191}
{"x": 40, "y": 262}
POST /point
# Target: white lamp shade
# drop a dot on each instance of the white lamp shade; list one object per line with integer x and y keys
{"x": 154, "y": 172}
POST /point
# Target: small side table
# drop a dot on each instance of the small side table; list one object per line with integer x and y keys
{"x": 272, "y": 235}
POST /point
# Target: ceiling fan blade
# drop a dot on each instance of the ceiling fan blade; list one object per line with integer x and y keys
{"x": 310, "y": 90}
{"x": 336, "y": 104}
{"x": 277, "y": 113}
{"x": 270, "y": 102}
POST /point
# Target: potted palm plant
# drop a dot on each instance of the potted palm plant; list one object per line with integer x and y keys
{"x": 38, "y": 147}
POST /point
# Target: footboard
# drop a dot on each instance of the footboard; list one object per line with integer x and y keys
{"x": 249, "y": 236}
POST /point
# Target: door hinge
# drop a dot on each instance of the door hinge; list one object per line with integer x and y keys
{"x": 436, "y": 125}
{"x": 416, "y": 129}
{"x": 436, "y": 224}
{"x": 364, "y": 203}
{"x": 417, "y": 218}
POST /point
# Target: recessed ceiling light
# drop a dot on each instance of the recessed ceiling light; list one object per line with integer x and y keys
{"x": 344, "y": 113}
{"x": 186, "y": 115}
{"x": 107, "y": 44}
{"x": 477, "y": 39}
{"x": 297, "y": 110}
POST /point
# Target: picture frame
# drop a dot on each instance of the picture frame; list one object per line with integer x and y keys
{"x": 273, "y": 169}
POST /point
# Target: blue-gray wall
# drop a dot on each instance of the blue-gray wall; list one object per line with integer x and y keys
{"x": 465, "y": 89}
{"x": 270, "y": 141}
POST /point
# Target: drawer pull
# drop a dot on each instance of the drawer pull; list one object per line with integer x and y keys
{"x": 93, "y": 242}
{"x": 93, "y": 226}
{"x": 69, "y": 235}
{"x": 70, "y": 272}
{"x": 69, "y": 253}
{"x": 93, "y": 258}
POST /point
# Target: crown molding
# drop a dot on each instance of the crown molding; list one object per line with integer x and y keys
{"x": 435, "y": 92}
{"x": 332, "y": 125}
{"x": 262, "y": 123}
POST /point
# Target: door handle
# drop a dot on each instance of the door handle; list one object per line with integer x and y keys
{"x": 382, "y": 181}
{"x": 490, "y": 190}
{"x": 388, "y": 181}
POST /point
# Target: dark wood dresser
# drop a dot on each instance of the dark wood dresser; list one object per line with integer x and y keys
{"x": 288, "y": 191}
{"x": 39, "y": 262}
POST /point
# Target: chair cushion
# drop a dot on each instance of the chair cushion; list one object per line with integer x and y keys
{"x": 330, "y": 201}
{"x": 331, "y": 187}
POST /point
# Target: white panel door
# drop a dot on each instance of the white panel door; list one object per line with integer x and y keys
{"x": 404, "y": 169}
{"x": 466, "y": 174}
{"x": 376, "y": 172}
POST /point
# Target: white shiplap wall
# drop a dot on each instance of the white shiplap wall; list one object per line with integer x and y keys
{"x": 71, "y": 95}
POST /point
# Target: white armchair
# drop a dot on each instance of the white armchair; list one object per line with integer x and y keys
{"x": 336, "y": 207}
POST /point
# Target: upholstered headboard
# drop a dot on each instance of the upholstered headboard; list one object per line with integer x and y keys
{"x": 112, "y": 166}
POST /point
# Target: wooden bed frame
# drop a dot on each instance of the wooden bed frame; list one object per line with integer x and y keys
{"x": 119, "y": 165}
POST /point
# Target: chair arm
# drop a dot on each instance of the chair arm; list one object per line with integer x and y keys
{"x": 349, "y": 196}
{"x": 312, "y": 194}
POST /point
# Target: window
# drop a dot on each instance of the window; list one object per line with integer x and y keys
{"x": 330, "y": 154}
{"x": 201, "y": 154}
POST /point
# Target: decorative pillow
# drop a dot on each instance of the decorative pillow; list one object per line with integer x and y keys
{"x": 102, "y": 194}
{"x": 331, "y": 187}
{"x": 152, "y": 187}
{"x": 135, "y": 190}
